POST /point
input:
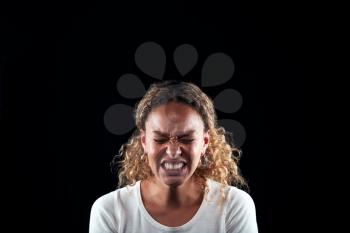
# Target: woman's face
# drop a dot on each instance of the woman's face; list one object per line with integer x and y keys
{"x": 173, "y": 161}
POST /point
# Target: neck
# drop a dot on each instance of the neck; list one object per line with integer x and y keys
{"x": 184, "y": 195}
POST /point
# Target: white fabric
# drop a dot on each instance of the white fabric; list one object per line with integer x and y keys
{"x": 122, "y": 211}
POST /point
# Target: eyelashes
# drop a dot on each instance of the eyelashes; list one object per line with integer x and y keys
{"x": 183, "y": 141}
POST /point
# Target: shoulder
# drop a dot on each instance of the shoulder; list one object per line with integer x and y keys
{"x": 239, "y": 198}
{"x": 105, "y": 202}
{"x": 102, "y": 215}
{"x": 234, "y": 196}
{"x": 108, "y": 202}
{"x": 240, "y": 211}
{"x": 106, "y": 210}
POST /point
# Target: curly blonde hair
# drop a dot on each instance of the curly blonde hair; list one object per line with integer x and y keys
{"x": 221, "y": 153}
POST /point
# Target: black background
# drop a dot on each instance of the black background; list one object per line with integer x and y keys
{"x": 59, "y": 67}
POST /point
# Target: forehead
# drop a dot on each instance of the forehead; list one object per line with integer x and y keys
{"x": 174, "y": 119}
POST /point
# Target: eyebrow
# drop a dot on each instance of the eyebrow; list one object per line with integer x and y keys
{"x": 179, "y": 135}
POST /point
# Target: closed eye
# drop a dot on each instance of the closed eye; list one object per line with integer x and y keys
{"x": 159, "y": 141}
{"x": 184, "y": 141}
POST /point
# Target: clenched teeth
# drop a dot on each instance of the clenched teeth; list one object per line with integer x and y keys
{"x": 173, "y": 165}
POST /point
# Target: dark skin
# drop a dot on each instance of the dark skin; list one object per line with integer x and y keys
{"x": 178, "y": 193}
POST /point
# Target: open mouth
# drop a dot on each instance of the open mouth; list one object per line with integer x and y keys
{"x": 174, "y": 168}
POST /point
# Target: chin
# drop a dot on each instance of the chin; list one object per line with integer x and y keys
{"x": 174, "y": 182}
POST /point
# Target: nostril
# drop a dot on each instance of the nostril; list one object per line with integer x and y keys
{"x": 172, "y": 150}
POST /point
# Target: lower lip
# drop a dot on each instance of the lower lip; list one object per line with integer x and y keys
{"x": 174, "y": 172}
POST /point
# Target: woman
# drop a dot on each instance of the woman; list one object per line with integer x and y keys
{"x": 176, "y": 171}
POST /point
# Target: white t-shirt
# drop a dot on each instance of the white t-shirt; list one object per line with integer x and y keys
{"x": 122, "y": 211}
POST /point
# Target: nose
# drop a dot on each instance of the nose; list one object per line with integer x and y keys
{"x": 173, "y": 148}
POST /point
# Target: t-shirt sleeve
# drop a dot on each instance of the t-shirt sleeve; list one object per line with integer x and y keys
{"x": 102, "y": 217}
{"x": 240, "y": 213}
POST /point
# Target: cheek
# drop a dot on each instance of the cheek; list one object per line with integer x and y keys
{"x": 195, "y": 154}
{"x": 196, "y": 150}
{"x": 155, "y": 151}
{"x": 153, "y": 160}
{"x": 152, "y": 164}
{"x": 151, "y": 148}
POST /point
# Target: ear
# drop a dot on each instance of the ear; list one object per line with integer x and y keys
{"x": 205, "y": 141}
{"x": 143, "y": 139}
